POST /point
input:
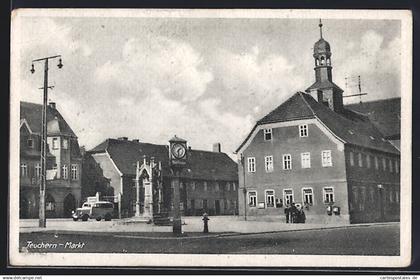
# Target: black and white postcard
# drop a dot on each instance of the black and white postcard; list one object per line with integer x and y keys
{"x": 209, "y": 138}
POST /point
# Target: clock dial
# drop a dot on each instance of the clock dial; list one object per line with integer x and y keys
{"x": 178, "y": 151}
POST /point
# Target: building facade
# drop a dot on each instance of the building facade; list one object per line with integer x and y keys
{"x": 63, "y": 192}
{"x": 315, "y": 151}
{"x": 208, "y": 184}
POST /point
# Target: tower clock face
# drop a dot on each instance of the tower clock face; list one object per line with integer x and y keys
{"x": 178, "y": 151}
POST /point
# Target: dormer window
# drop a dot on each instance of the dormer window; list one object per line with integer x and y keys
{"x": 303, "y": 130}
{"x": 351, "y": 132}
{"x": 268, "y": 134}
{"x": 30, "y": 143}
{"x": 55, "y": 143}
{"x": 65, "y": 144}
{"x": 371, "y": 137}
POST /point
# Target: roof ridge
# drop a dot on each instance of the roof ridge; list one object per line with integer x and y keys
{"x": 306, "y": 102}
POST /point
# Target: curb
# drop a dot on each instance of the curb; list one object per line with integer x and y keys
{"x": 226, "y": 234}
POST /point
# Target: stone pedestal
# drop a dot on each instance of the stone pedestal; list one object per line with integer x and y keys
{"x": 148, "y": 199}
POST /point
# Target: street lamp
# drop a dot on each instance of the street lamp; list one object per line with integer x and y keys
{"x": 43, "y": 185}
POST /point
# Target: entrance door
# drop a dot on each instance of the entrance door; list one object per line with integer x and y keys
{"x": 217, "y": 206}
{"x": 69, "y": 205}
{"x": 381, "y": 204}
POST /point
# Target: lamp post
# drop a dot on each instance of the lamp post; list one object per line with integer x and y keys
{"x": 43, "y": 185}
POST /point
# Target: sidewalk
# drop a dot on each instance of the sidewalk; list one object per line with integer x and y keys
{"x": 217, "y": 224}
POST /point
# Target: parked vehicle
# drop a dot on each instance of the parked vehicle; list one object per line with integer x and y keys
{"x": 94, "y": 210}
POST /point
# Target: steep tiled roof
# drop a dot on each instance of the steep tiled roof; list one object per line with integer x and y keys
{"x": 32, "y": 113}
{"x": 353, "y": 128}
{"x": 292, "y": 109}
{"x": 385, "y": 114}
{"x": 202, "y": 164}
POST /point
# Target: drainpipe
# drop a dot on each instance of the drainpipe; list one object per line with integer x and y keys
{"x": 244, "y": 188}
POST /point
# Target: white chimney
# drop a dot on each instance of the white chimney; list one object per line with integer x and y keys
{"x": 217, "y": 148}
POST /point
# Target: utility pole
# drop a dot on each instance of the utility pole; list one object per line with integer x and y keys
{"x": 43, "y": 185}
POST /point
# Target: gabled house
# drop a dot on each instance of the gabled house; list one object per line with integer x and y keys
{"x": 63, "y": 162}
{"x": 315, "y": 151}
{"x": 208, "y": 184}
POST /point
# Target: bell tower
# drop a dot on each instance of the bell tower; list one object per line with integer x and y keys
{"x": 324, "y": 90}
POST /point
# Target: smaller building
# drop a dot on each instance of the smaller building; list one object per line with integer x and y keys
{"x": 385, "y": 114}
{"x": 208, "y": 184}
{"x": 63, "y": 192}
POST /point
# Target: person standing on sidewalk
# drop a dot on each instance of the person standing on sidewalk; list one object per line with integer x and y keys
{"x": 293, "y": 213}
{"x": 206, "y": 223}
{"x": 287, "y": 213}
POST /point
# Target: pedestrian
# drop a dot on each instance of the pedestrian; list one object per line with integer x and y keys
{"x": 287, "y": 213}
{"x": 293, "y": 213}
{"x": 302, "y": 216}
{"x": 206, "y": 222}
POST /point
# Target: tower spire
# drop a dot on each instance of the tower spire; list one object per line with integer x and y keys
{"x": 320, "y": 27}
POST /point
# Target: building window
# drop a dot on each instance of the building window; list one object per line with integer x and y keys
{"x": 308, "y": 196}
{"x": 397, "y": 167}
{"x": 193, "y": 185}
{"x": 55, "y": 143}
{"x": 205, "y": 186}
{"x": 384, "y": 163}
{"x": 30, "y": 143}
{"x": 65, "y": 172}
{"x": 351, "y": 158}
{"x": 38, "y": 170}
{"x": 305, "y": 160}
{"x": 360, "y": 160}
{"x": 268, "y": 163}
{"x": 376, "y": 163}
{"x": 251, "y": 164}
{"x": 268, "y": 134}
{"x": 288, "y": 196}
{"x": 303, "y": 130}
{"x": 390, "y": 166}
{"x": 23, "y": 170}
{"x": 216, "y": 186}
{"x": 368, "y": 161}
{"x": 287, "y": 162}
{"x": 328, "y": 195}
{"x": 269, "y": 198}
{"x": 252, "y": 198}
{"x": 227, "y": 186}
{"x": 74, "y": 172}
{"x": 65, "y": 144}
{"x": 326, "y": 158}
{"x": 362, "y": 202}
{"x": 234, "y": 186}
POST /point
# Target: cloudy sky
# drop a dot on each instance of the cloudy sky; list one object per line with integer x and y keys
{"x": 205, "y": 80}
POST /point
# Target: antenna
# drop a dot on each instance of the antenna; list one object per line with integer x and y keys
{"x": 352, "y": 83}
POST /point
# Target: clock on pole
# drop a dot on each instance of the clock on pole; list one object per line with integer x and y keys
{"x": 177, "y": 152}
{"x": 177, "y": 161}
